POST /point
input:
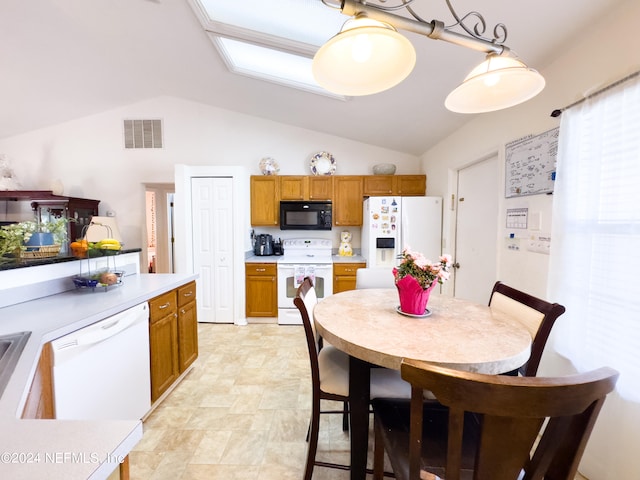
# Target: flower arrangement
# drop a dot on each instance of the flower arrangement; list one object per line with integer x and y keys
{"x": 425, "y": 272}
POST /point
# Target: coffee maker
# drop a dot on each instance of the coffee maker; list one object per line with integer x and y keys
{"x": 263, "y": 245}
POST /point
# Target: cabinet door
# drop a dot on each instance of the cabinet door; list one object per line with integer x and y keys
{"x": 344, "y": 276}
{"x": 187, "y": 335}
{"x": 163, "y": 340}
{"x": 379, "y": 185}
{"x": 411, "y": 185}
{"x": 39, "y": 402}
{"x": 265, "y": 200}
{"x": 292, "y": 187}
{"x": 261, "y": 290}
{"x": 347, "y": 200}
{"x": 320, "y": 188}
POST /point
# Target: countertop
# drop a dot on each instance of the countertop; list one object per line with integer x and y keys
{"x": 67, "y": 449}
{"x": 275, "y": 258}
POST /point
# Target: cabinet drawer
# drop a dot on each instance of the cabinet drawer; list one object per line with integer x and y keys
{"x": 162, "y": 305}
{"x": 260, "y": 268}
{"x": 347, "y": 268}
{"x": 186, "y": 293}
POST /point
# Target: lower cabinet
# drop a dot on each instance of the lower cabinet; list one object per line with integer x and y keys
{"x": 39, "y": 403}
{"x": 173, "y": 337}
{"x": 261, "y": 290}
{"x": 344, "y": 276}
{"x": 187, "y": 326}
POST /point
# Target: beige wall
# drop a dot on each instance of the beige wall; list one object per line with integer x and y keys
{"x": 606, "y": 52}
{"x": 88, "y": 156}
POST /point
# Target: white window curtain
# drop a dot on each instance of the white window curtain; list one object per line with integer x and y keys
{"x": 595, "y": 255}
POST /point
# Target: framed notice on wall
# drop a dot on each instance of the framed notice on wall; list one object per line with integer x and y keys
{"x": 530, "y": 164}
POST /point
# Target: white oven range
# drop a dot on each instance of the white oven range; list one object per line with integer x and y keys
{"x": 302, "y": 257}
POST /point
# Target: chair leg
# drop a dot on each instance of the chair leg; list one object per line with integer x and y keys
{"x": 378, "y": 452}
{"x": 345, "y": 417}
{"x": 312, "y": 438}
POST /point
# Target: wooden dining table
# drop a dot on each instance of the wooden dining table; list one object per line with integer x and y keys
{"x": 367, "y": 325}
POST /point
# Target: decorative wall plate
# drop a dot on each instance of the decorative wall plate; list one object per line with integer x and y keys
{"x": 323, "y": 163}
{"x": 268, "y": 166}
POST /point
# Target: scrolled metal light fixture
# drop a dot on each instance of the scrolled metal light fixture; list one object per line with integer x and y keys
{"x": 369, "y": 56}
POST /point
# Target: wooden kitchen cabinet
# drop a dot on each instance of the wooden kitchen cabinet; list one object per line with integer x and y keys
{"x": 261, "y": 286}
{"x": 344, "y": 276}
{"x": 411, "y": 185}
{"x": 163, "y": 341}
{"x": 187, "y": 326}
{"x": 39, "y": 403}
{"x": 347, "y": 200}
{"x": 304, "y": 187}
{"x": 173, "y": 336}
{"x": 265, "y": 200}
{"x": 405, "y": 185}
{"x": 320, "y": 188}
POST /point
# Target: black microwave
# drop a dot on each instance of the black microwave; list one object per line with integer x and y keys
{"x": 305, "y": 215}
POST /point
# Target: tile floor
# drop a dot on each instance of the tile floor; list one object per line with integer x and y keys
{"x": 242, "y": 412}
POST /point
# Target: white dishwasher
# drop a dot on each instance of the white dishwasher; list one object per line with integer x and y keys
{"x": 103, "y": 371}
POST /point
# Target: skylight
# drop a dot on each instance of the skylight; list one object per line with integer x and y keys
{"x": 271, "y": 40}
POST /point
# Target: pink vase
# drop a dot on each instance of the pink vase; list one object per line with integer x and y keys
{"x": 413, "y": 299}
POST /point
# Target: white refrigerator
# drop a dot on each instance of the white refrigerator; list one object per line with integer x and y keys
{"x": 392, "y": 223}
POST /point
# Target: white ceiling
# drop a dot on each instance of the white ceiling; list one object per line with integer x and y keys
{"x": 65, "y": 59}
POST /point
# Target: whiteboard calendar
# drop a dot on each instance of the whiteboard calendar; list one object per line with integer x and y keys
{"x": 530, "y": 164}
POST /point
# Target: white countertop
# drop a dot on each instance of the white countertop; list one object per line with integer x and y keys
{"x": 67, "y": 449}
{"x": 275, "y": 258}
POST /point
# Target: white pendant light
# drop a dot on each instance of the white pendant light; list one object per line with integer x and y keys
{"x": 499, "y": 82}
{"x": 366, "y": 57}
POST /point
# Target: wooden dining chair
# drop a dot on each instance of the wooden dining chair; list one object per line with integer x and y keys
{"x": 497, "y": 427}
{"x": 537, "y": 315}
{"x": 330, "y": 377}
{"x": 374, "y": 278}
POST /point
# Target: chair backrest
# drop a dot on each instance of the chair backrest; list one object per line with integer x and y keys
{"x": 511, "y": 413}
{"x": 374, "y": 278}
{"x": 306, "y": 300}
{"x": 537, "y": 315}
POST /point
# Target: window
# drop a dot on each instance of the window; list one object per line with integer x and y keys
{"x": 595, "y": 257}
{"x": 273, "y": 41}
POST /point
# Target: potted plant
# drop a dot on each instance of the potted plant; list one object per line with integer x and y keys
{"x": 12, "y": 239}
{"x": 32, "y": 235}
{"x": 52, "y": 232}
{"x": 415, "y": 277}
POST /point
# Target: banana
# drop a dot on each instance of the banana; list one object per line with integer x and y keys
{"x": 109, "y": 244}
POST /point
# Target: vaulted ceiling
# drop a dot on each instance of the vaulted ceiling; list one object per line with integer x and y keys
{"x": 65, "y": 59}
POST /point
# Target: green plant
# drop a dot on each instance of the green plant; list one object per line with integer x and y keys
{"x": 57, "y": 226}
{"x": 14, "y": 236}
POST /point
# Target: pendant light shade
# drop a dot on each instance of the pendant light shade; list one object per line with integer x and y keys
{"x": 498, "y": 82}
{"x": 366, "y": 57}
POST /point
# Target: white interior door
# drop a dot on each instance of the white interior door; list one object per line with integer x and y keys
{"x": 212, "y": 214}
{"x": 476, "y": 230}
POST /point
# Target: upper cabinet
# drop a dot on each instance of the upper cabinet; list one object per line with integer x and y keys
{"x": 265, "y": 200}
{"x": 347, "y": 200}
{"x": 406, "y": 185}
{"x": 345, "y": 191}
{"x": 294, "y": 187}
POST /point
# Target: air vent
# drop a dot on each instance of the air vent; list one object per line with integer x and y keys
{"x": 143, "y": 134}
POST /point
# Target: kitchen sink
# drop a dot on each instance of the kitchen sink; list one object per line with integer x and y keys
{"x": 11, "y": 347}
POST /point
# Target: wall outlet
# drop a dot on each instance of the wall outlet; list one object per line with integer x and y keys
{"x": 539, "y": 243}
